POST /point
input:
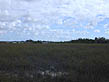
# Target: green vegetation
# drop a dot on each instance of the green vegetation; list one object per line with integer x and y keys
{"x": 54, "y": 62}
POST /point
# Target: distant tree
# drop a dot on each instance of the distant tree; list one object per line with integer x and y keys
{"x": 39, "y": 41}
{"x": 29, "y": 40}
{"x": 100, "y": 40}
{"x": 96, "y": 40}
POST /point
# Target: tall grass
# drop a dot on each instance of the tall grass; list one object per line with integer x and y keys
{"x": 63, "y": 62}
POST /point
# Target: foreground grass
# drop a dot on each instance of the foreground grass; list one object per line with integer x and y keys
{"x": 54, "y": 62}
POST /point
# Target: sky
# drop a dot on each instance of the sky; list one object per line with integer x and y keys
{"x": 53, "y": 20}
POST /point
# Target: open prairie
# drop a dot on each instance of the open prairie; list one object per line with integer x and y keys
{"x": 54, "y": 62}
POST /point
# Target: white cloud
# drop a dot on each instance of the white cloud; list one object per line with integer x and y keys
{"x": 107, "y": 31}
{"x": 106, "y": 26}
{"x": 97, "y": 30}
{"x": 37, "y": 16}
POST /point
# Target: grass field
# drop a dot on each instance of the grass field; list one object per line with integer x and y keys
{"x": 61, "y": 62}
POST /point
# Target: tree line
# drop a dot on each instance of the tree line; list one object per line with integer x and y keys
{"x": 79, "y": 40}
{"x": 86, "y": 40}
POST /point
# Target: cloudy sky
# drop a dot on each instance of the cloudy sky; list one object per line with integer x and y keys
{"x": 55, "y": 20}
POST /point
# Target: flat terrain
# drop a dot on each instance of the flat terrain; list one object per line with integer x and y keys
{"x": 54, "y": 62}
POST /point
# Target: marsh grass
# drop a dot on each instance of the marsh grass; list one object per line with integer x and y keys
{"x": 29, "y": 62}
